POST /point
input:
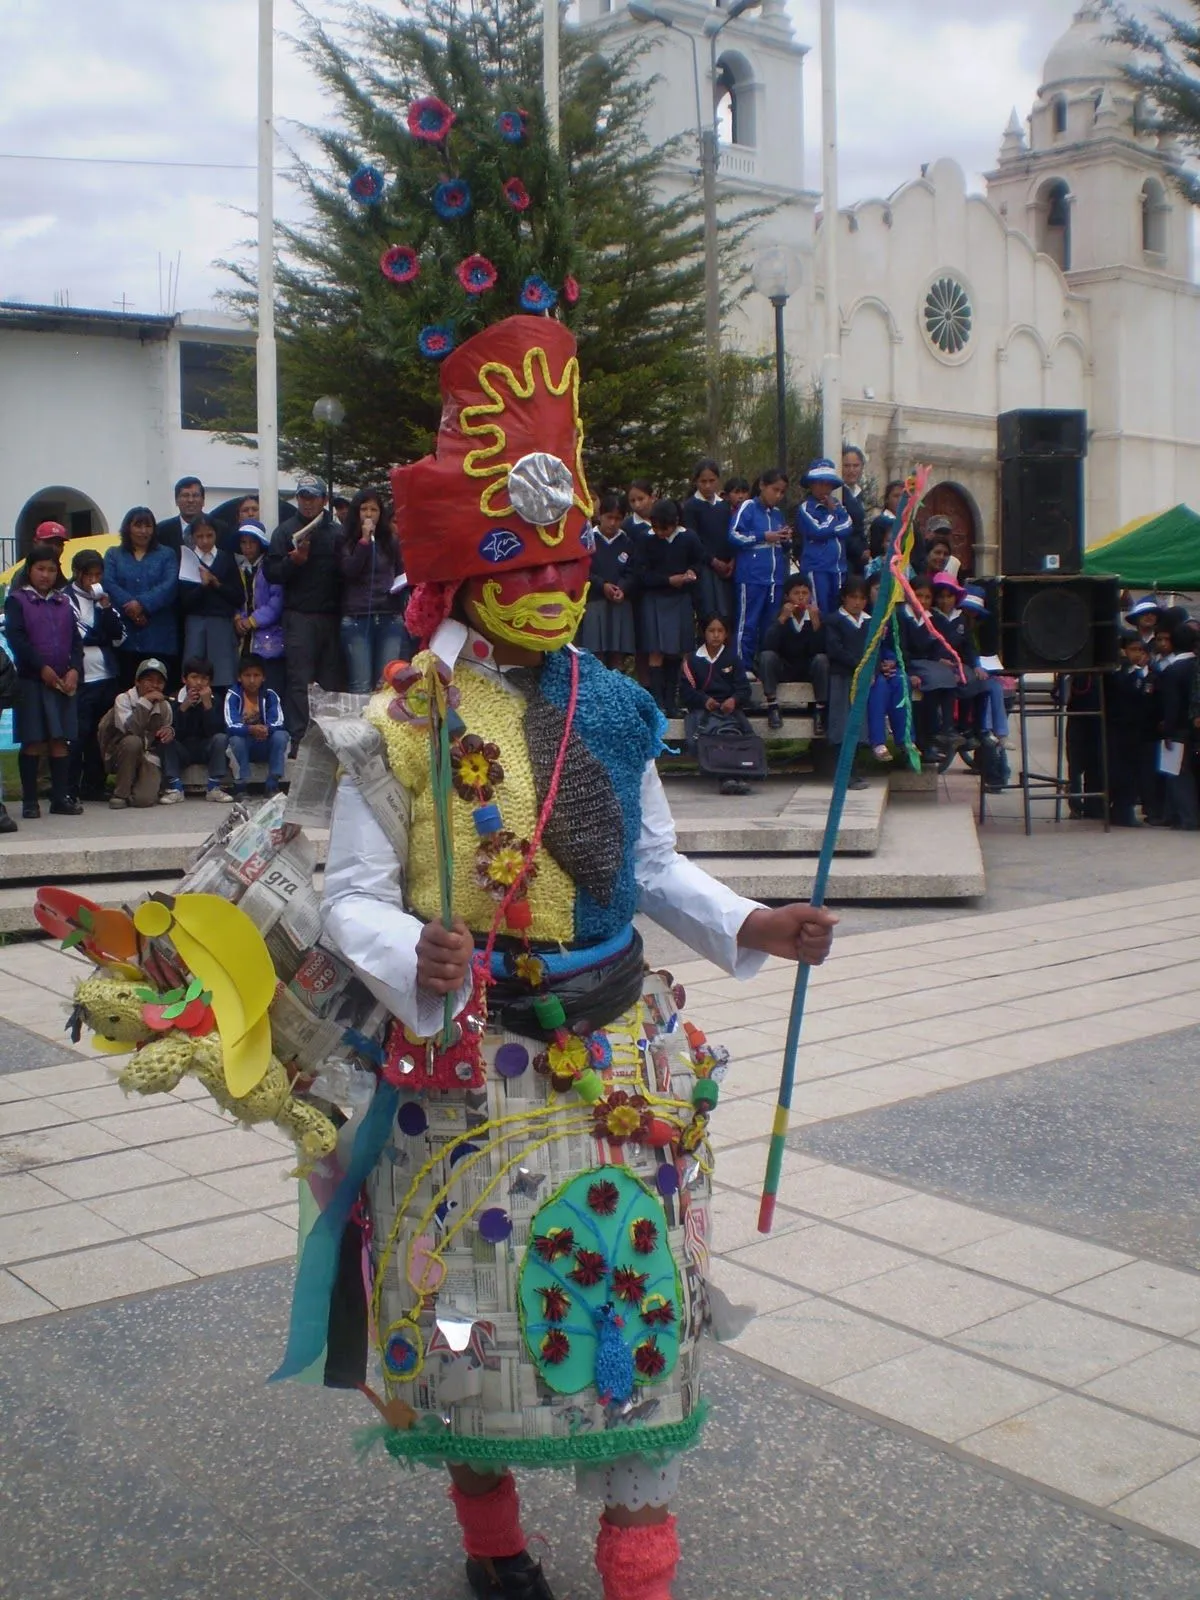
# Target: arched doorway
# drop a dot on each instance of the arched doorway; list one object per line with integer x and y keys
{"x": 949, "y": 500}
{"x": 78, "y": 513}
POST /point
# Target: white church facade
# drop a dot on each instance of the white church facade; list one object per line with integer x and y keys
{"x": 1069, "y": 284}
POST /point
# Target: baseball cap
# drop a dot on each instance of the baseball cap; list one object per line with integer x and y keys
{"x": 254, "y": 530}
{"x": 938, "y": 525}
{"x": 311, "y": 484}
{"x": 151, "y": 664}
{"x": 46, "y": 531}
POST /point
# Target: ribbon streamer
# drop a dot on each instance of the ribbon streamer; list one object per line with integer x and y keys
{"x": 891, "y": 589}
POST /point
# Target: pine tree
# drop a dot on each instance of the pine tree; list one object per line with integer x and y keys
{"x": 1170, "y": 78}
{"x": 594, "y": 216}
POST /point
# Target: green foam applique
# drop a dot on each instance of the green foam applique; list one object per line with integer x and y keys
{"x": 558, "y": 1310}
{"x": 432, "y": 1446}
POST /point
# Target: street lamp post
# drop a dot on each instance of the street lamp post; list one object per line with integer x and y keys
{"x": 266, "y": 375}
{"x": 329, "y": 411}
{"x": 831, "y": 364}
{"x": 776, "y": 276}
{"x": 706, "y": 135}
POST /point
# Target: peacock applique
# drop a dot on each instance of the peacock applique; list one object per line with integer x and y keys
{"x": 599, "y": 1288}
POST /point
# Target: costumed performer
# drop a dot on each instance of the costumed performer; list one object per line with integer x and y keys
{"x": 539, "y": 1219}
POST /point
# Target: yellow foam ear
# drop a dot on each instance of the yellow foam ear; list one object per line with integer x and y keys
{"x": 110, "y": 1047}
{"x": 222, "y": 947}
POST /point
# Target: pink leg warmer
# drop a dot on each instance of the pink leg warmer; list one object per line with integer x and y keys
{"x": 637, "y": 1563}
{"x": 490, "y": 1523}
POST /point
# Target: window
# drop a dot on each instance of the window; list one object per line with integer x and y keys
{"x": 734, "y": 101}
{"x": 1154, "y": 218}
{"x": 216, "y": 386}
{"x": 1054, "y": 222}
{"x": 1058, "y": 110}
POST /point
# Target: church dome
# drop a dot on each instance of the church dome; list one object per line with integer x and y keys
{"x": 1085, "y": 53}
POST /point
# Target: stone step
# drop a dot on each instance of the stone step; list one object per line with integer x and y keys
{"x": 795, "y": 726}
{"x": 923, "y": 855}
{"x": 718, "y": 825}
{"x": 16, "y": 902}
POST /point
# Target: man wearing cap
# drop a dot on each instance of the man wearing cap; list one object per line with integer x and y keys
{"x": 939, "y": 528}
{"x": 133, "y": 733}
{"x": 822, "y": 529}
{"x": 302, "y": 559}
{"x": 854, "y": 465}
{"x": 54, "y": 535}
{"x": 175, "y": 532}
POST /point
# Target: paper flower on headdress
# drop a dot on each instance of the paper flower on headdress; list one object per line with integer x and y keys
{"x": 400, "y": 264}
{"x": 570, "y": 290}
{"x": 510, "y": 125}
{"x": 366, "y": 186}
{"x": 435, "y": 341}
{"x": 537, "y": 295}
{"x": 517, "y": 195}
{"x": 452, "y": 199}
{"x": 430, "y": 119}
{"x": 476, "y": 274}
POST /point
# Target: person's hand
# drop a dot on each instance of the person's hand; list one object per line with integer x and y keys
{"x": 786, "y": 612}
{"x": 165, "y": 735}
{"x": 711, "y": 705}
{"x": 689, "y": 576}
{"x": 50, "y": 677}
{"x": 300, "y": 554}
{"x": 206, "y": 699}
{"x": 677, "y": 580}
{"x": 239, "y": 626}
{"x": 208, "y": 577}
{"x": 723, "y": 569}
{"x": 69, "y": 681}
{"x": 617, "y": 595}
{"x": 133, "y": 610}
{"x": 814, "y": 616}
{"x": 914, "y": 680}
{"x": 981, "y": 674}
{"x": 104, "y": 602}
{"x": 258, "y": 730}
{"x": 797, "y": 932}
{"x": 444, "y": 957}
{"x": 729, "y": 705}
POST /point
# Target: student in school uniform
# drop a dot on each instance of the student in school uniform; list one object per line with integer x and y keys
{"x": 760, "y": 538}
{"x": 735, "y": 493}
{"x": 822, "y": 527}
{"x": 640, "y": 498}
{"x": 794, "y": 652}
{"x": 846, "y": 631}
{"x": 1144, "y": 617}
{"x": 1180, "y": 807}
{"x": 708, "y": 516}
{"x": 210, "y": 603}
{"x": 955, "y": 627}
{"x": 607, "y": 629}
{"x": 932, "y": 668}
{"x": 1125, "y": 701}
{"x": 668, "y": 570}
{"x": 713, "y": 688}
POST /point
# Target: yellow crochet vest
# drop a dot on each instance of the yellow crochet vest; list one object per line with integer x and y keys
{"x": 495, "y": 713}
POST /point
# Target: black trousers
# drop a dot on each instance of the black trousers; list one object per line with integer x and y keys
{"x": 312, "y": 653}
{"x": 86, "y": 770}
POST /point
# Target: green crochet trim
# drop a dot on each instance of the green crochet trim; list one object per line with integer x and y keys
{"x": 430, "y": 1443}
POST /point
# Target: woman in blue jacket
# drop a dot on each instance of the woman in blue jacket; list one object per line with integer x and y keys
{"x": 761, "y": 544}
{"x": 141, "y": 577}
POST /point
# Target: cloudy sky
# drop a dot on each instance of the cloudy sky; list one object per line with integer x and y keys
{"x": 127, "y": 130}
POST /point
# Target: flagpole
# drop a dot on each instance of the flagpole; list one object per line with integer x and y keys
{"x": 831, "y": 362}
{"x": 265, "y": 357}
{"x": 550, "y": 25}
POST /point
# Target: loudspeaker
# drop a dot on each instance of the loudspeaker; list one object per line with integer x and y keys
{"x": 1041, "y": 514}
{"x": 1052, "y": 624}
{"x": 1041, "y": 433}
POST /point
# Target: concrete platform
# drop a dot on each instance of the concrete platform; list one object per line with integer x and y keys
{"x": 925, "y": 854}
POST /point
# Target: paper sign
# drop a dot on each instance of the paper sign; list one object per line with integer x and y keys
{"x": 1170, "y": 758}
{"x": 189, "y": 566}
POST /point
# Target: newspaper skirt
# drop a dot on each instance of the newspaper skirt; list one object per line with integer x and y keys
{"x": 539, "y": 1285}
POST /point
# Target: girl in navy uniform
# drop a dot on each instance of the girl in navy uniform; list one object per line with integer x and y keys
{"x": 760, "y": 538}
{"x": 607, "y": 628}
{"x": 669, "y": 566}
{"x": 708, "y": 516}
{"x": 931, "y": 668}
{"x": 1180, "y": 809}
{"x": 846, "y": 631}
{"x": 713, "y": 687}
{"x": 639, "y": 497}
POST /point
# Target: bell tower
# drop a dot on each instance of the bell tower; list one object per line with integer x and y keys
{"x": 1089, "y": 183}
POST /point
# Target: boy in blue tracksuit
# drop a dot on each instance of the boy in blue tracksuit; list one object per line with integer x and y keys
{"x": 822, "y": 528}
{"x": 761, "y": 544}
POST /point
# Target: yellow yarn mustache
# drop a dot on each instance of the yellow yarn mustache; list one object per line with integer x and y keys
{"x": 522, "y": 623}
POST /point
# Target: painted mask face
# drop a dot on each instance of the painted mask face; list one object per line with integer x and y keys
{"x": 534, "y": 608}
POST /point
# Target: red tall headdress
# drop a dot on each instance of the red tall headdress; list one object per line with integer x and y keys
{"x": 505, "y": 487}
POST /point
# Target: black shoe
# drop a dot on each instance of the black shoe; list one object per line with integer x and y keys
{"x": 7, "y": 824}
{"x": 293, "y": 750}
{"x": 774, "y": 719}
{"x": 66, "y": 808}
{"x": 30, "y": 809}
{"x": 511, "y": 1578}
{"x": 734, "y": 786}
{"x": 818, "y": 724}
{"x": 859, "y": 783}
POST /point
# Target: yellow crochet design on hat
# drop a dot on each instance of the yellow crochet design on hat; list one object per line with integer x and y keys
{"x": 496, "y": 714}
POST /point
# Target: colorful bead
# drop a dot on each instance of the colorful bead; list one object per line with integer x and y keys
{"x": 549, "y": 1011}
{"x": 705, "y": 1093}
{"x": 589, "y": 1086}
{"x": 519, "y": 916}
{"x": 487, "y": 820}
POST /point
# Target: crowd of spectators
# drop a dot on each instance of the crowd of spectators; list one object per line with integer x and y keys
{"x": 193, "y": 642}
